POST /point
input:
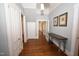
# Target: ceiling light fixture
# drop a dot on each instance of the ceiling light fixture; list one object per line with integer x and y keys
{"x": 42, "y": 6}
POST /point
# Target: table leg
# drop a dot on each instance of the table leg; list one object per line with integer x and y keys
{"x": 59, "y": 45}
{"x": 49, "y": 39}
{"x": 64, "y": 42}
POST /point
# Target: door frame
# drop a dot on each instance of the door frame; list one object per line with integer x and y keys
{"x": 74, "y": 43}
{"x": 22, "y": 24}
{"x": 24, "y": 29}
{"x": 38, "y": 26}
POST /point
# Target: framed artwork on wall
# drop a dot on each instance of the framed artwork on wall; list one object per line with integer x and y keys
{"x": 63, "y": 19}
{"x": 55, "y": 21}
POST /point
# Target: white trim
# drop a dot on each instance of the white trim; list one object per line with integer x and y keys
{"x": 74, "y": 45}
{"x": 32, "y": 37}
{"x": 25, "y": 34}
{"x": 38, "y": 26}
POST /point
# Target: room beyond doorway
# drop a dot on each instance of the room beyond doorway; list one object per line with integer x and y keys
{"x": 43, "y": 26}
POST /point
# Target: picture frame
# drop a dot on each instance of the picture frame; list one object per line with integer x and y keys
{"x": 55, "y": 21}
{"x": 63, "y": 19}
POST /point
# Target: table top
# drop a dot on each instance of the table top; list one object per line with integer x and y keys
{"x": 57, "y": 36}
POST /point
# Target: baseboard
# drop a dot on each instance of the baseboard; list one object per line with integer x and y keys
{"x": 33, "y": 38}
{"x": 67, "y": 52}
{"x": 36, "y": 37}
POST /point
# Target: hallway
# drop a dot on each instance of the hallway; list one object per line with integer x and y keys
{"x": 20, "y": 24}
{"x": 40, "y": 47}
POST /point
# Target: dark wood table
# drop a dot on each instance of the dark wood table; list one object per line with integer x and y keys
{"x": 59, "y": 38}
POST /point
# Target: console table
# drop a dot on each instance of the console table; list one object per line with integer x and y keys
{"x": 59, "y": 38}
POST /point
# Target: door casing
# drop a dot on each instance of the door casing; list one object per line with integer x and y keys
{"x": 38, "y": 26}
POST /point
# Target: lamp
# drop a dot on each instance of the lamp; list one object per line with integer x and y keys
{"x": 42, "y": 6}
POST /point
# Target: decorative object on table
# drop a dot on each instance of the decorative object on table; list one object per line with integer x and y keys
{"x": 63, "y": 19}
{"x": 55, "y": 21}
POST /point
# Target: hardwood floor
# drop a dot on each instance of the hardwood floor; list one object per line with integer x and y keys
{"x": 40, "y": 47}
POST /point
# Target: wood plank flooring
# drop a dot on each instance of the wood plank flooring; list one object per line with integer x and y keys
{"x": 40, "y": 47}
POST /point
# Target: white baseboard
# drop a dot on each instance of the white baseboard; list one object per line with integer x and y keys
{"x": 68, "y": 52}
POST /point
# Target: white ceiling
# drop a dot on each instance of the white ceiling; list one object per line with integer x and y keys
{"x": 32, "y": 8}
{"x": 29, "y": 5}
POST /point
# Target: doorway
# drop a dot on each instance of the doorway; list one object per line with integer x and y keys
{"x": 43, "y": 27}
{"x": 22, "y": 27}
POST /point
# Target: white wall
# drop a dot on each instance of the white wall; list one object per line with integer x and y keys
{"x": 64, "y": 31}
{"x": 3, "y": 33}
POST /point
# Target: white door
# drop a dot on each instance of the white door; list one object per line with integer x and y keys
{"x": 16, "y": 36}
{"x": 25, "y": 33}
{"x": 32, "y": 30}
